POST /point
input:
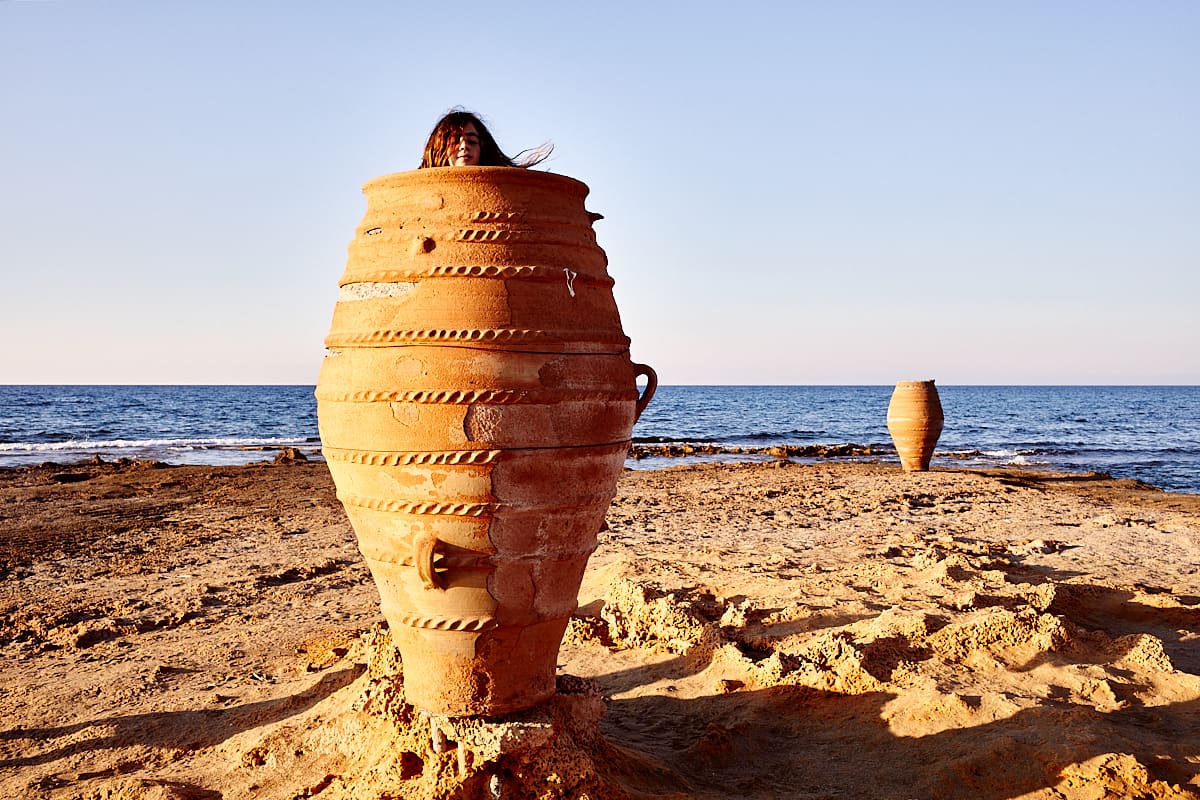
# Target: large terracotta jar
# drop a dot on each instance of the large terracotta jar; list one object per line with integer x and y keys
{"x": 914, "y": 419}
{"x": 476, "y": 404}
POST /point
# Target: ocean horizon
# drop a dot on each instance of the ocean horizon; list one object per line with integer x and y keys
{"x": 1148, "y": 433}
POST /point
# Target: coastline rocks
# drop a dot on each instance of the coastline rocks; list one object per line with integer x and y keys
{"x": 684, "y": 449}
{"x": 290, "y": 455}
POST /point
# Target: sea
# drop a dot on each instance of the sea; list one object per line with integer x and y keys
{"x": 1148, "y": 433}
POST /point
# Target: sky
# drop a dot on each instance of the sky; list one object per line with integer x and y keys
{"x": 794, "y": 192}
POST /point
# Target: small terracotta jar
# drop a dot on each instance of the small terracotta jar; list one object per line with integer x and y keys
{"x": 476, "y": 404}
{"x": 914, "y": 419}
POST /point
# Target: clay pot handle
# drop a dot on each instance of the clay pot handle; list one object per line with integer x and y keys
{"x": 424, "y": 551}
{"x": 651, "y": 385}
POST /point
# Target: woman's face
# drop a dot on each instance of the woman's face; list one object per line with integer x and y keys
{"x": 464, "y": 149}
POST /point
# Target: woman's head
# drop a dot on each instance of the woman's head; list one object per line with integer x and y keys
{"x": 460, "y": 139}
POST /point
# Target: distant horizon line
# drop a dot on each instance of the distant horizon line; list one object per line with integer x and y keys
{"x": 696, "y": 385}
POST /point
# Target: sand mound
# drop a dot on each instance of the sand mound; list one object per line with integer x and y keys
{"x": 366, "y": 741}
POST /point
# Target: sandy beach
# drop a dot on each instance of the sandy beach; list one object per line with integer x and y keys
{"x": 753, "y": 630}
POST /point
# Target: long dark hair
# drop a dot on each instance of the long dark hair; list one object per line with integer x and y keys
{"x": 443, "y": 140}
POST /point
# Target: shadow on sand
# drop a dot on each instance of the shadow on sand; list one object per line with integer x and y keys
{"x": 173, "y": 730}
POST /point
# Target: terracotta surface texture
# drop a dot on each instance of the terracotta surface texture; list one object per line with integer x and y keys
{"x": 476, "y": 405}
{"x": 915, "y": 420}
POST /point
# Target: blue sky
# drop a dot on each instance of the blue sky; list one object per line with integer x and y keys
{"x": 794, "y": 193}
